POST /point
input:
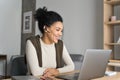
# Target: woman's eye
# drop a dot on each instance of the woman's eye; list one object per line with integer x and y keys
{"x": 57, "y": 29}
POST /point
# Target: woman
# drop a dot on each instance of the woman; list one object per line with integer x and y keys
{"x": 50, "y": 48}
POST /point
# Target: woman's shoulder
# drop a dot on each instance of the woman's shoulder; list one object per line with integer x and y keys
{"x": 33, "y": 37}
{"x": 60, "y": 42}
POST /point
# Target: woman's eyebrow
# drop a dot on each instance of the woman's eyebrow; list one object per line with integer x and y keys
{"x": 59, "y": 27}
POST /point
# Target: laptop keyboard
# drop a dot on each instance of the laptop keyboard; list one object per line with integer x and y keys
{"x": 73, "y": 76}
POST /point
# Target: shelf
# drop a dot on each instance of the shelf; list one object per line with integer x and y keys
{"x": 112, "y": 44}
{"x": 114, "y": 64}
{"x": 113, "y": 22}
{"x": 114, "y": 61}
{"x": 110, "y": 8}
{"x": 113, "y": 2}
{"x": 3, "y": 57}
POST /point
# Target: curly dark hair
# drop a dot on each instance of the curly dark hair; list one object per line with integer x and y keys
{"x": 46, "y": 18}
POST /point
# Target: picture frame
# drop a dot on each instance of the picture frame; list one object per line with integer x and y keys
{"x": 27, "y": 22}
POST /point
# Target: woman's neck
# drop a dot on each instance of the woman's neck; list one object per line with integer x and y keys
{"x": 46, "y": 40}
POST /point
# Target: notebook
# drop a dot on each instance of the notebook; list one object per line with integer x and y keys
{"x": 94, "y": 65}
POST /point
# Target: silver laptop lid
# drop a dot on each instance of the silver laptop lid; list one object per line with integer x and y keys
{"x": 94, "y": 64}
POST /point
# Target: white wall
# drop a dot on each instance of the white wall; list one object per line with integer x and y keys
{"x": 82, "y": 22}
{"x": 10, "y": 28}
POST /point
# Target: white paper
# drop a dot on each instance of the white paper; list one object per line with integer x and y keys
{"x": 118, "y": 40}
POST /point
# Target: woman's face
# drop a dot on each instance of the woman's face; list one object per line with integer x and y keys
{"x": 54, "y": 32}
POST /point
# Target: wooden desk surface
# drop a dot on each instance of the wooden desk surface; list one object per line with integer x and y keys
{"x": 115, "y": 77}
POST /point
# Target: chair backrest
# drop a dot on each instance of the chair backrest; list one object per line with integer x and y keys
{"x": 18, "y": 66}
{"x": 77, "y": 59}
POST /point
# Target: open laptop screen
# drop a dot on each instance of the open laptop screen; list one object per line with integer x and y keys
{"x": 94, "y": 65}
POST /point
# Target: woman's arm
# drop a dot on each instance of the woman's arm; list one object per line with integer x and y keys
{"x": 32, "y": 59}
{"x": 68, "y": 61}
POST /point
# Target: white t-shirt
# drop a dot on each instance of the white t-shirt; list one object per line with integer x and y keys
{"x": 48, "y": 58}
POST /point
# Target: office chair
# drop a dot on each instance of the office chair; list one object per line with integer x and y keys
{"x": 18, "y": 66}
{"x": 77, "y": 59}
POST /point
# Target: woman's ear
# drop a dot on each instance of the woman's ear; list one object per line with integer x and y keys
{"x": 46, "y": 30}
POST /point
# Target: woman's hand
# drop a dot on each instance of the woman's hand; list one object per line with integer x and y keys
{"x": 52, "y": 71}
{"x": 49, "y": 73}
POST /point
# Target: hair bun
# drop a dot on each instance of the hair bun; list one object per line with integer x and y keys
{"x": 45, "y": 9}
{"x": 40, "y": 13}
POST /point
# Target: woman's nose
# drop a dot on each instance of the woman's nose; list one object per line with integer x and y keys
{"x": 60, "y": 33}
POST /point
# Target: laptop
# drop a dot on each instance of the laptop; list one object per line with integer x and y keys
{"x": 94, "y": 65}
{"x": 24, "y": 78}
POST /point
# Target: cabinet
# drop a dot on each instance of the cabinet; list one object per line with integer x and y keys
{"x": 109, "y": 30}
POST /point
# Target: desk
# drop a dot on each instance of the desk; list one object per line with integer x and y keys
{"x": 4, "y": 58}
{"x": 115, "y": 77}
